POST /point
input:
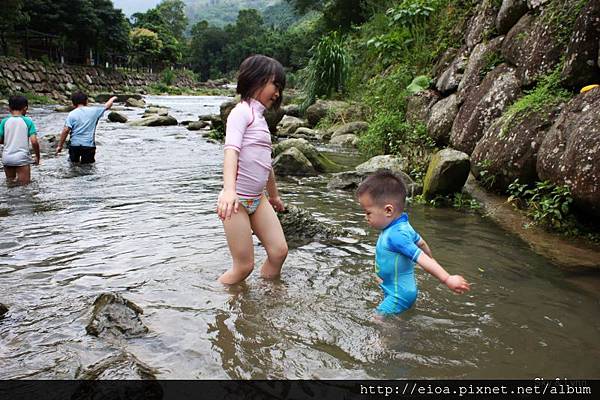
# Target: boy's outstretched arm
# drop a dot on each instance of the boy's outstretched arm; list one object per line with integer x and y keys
{"x": 63, "y": 136}
{"x": 423, "y": 246}
{"x": 36, "y": 148}
{"x": 456, "y": 283}
{"x": 110, "y": 102}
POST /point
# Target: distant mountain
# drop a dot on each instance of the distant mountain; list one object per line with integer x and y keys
{"x": 223, "y": 12}
{"x": 130, "y": 7}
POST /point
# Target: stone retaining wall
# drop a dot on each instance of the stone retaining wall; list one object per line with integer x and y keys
{"x": 59, "y": 81}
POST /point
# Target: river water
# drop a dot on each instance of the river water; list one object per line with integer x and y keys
{"x": 142, "y": 222}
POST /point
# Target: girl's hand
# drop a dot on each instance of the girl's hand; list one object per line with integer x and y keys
{"x": 457, "y": 284}
{"x": 227, "y": 204}
{"x": 277, "y": 203}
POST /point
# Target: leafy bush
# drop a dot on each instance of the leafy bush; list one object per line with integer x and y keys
{"x": 418, "y": 84}
{"x": 327, "y": 70}
{"x": 168, "y": 77}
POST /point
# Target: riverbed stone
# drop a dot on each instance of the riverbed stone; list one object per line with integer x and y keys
{"x": 64, "y": 109}
{"x": 396, "y": 164}
{"x": 441, "y": 118}
{"x": 155, "y": 111}
{"x": 3, "y": 310}
{"x": 131, "y": 102}
{"x": 570, "y": 152}
{"x": 350, "y": 128}
{"x": 293, "y": 162}
{"x": 321, "y": 108}
{"x": 293, "y": 110}
{"x": 319, "y": 161}
{"x": 306, "y": 133}
{"x": 117, "y": 117}
{"x": 349, "y": 180}
{"x": 447, "y": 173}
{"x": 509, "y": 147}
{"x": 288, "y": 125}
{"x": 580, "y": 66}
{"x": 123, "y": 365}
{"x": 510, "y": 13}
{"x": 419, "y": 105}
{"x": 155, "y": 120}
{"x": 300, "y": 227}
{"x": 348, "y": 140}
{"x": 533, "y": 46}
{"x": 115, "y": 316}
{"x": 448, "y": 81}
{"x": 197, "y": 125}
{"x": 487, "y": 102}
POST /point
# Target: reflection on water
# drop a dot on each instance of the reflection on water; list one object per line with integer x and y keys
{"x": 141, "y": 222}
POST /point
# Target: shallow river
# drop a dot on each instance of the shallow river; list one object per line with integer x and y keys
{"x": 141, "y": 222}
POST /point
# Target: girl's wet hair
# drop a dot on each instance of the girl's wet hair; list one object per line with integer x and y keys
{"x": 255, "y": 72}
{"x": 384, "y": 186}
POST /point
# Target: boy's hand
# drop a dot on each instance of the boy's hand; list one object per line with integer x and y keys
{"x": 457, "y": 284}
{"x": 277, "y": 203}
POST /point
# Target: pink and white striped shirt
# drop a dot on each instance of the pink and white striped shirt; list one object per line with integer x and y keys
{"x": 248, "y": 133}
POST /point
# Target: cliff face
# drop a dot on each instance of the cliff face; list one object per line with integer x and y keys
{"x": 59, "y": 81}
{"x": 511, "y": 120}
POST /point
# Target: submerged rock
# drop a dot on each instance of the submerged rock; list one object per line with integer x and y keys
{"x": 299, "y": 226}
{"x": 118, "y": 366}
{"x": 447, "y": 173}
{"x": 3, "y": 310}
{"x": 132, "y": 102}
{"x": 117, "y": 117}
{"x": 155, "y": 120}
{"x": 116, "y": 316}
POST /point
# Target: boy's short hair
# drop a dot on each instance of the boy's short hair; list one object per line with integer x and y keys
{"x": 255, "y": 72}
{"x": 79, "y": 98}
{"x": 384, "y": 187}
{"x": 17, "y": 103}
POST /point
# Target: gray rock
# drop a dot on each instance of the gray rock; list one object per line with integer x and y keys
{"x": 349, "y": 180}
{"x": 508, "y": 150}
{"x": 116, "y": 316}
{"x": 131, "y": 102}
{"x": 120, "y": 366}
{"x": 300, "y": 227}
{"x": 3, "y": 310}
{"x": 533, "y": 4}
{"x": 395, "y": 164}
{"x": 441, "y": 118}
{"x": 498, "y": 90}
{"x": 155, "y": 111}
{"x": 272, "y": 116}
{"x": 447, "y": 173}
{"x": 420, "y": 104}
{"x": 64, "y": 109}
{"x": 580, "y": 67}
{"x": 478, "y": 62}
{"x": 510, "y": 13}
{"x": 288, "y": 125}
{"x": 320, "y": 162}
{"x": 293, "y": 162}
{"x": 305, "y": 133}
{"x": 450, "y": 79}
{"x": 481, "y": 24}
{"x": 117, "y": 117}
{"x": 348, "y": 140}
{"x": 293, "y": 110}
{"x": 197, "y": 125}
{"x": 158, "y": 120}
{"x": 322, "y": 108}
{"x": 351, "y": 128}
{"x": 570, "y": 152}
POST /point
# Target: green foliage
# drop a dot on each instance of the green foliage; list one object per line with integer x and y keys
{"x": 491, "y": 60}
{"x": 486, "y": 178}
{"x": 418, "y": 84}
{"x": 547, "y": 204}
{"x": 460, "y": 201}
{"x": 145, "y": 45}
{"x": 34, "y": 98}
{"x": 560, "y": 16}
{"x": 168, "y": 77}
{"x": 327, "y": 70}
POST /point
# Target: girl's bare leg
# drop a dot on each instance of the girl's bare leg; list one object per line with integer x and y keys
{"x": 267, "y": 228}
{"x": 239, "y": 239}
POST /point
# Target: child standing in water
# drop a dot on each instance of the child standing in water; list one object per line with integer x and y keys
{"x": 16, "y": 132}
{"x": 247, "y": 172}
{"x": 382, "y": 196}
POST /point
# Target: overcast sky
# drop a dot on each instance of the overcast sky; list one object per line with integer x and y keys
{"x": 132, "y": 6}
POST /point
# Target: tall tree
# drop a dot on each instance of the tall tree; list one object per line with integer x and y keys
{"x": 173, "y": 14}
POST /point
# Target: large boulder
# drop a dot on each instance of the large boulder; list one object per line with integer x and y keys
{"x": 350, "y": 128}
{"x": 477, "y": 67}
{"x": 117, "y": 117}
{"x": 441, "y": 118}
{"x": 481, "y": 23}
{"x": 288, "y": 125}
{"x": 486, "y": 103}
{"x": 420, "y": 104}
{"x": 581, "y": 67}
{"x": 510, "y": 13}
{"x": 132, "y": 102}
{"x": 449, "y": 80}
{"x": 508, "y": 149}
{"x": 321, "y": 108}
{"x": 533, "y": 46}
{"x": 349, "y": 180}
{"x": 348, "y": 140}
{"x": 155, "y": 120}
{"x": 396, "y": 164}
{"x": 293, "y": 162}
{"x": 320, "y": 162}
{"x": 115, "y": 316}
{"x": 120, "y": 366}
{"x": 447, "y": 173}
{"x": 570, "y": 153}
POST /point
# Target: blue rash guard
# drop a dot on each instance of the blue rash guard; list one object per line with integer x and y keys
{"x": 395, "y": 256}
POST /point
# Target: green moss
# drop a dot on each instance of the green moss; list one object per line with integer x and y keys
{"x": 560, "y": 15}
{"x": 35, "y": 98}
